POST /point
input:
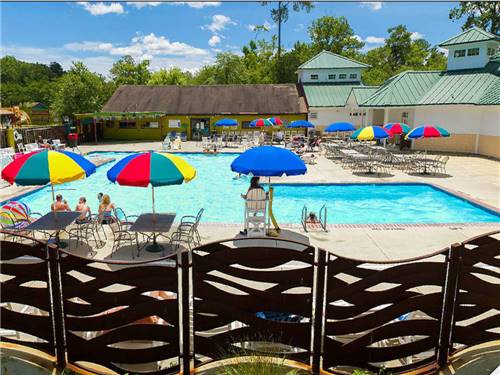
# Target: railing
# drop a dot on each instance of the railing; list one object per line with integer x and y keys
{"x": 251, "y": 295}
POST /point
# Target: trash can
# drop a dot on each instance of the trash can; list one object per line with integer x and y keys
{"x": 73, "y": 139}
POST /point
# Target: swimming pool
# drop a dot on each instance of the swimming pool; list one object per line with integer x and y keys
{"x": 216, "y": 189}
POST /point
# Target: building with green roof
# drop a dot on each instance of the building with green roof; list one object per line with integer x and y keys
{"x": 464, "y": 99}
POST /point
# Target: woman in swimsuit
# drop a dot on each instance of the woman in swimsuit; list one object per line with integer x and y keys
{"x": 106, "y": 209}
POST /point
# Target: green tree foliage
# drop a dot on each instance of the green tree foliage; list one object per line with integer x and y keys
{"x": 334, "y": 34}
{"x": 483, "y": 14}
{"x": 128, "y": 72}
{"x": 172, "y": 76}
{"x": 79, "y": 91}
{"x": 400, "y": 53}
{"x": 292, "y": 59}
{"x": 280, "y": 14}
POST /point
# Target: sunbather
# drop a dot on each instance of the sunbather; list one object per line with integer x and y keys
{"x": 84, "y": 209}
{"x": 60, "y": 204}
{"x": 106, "y": 209}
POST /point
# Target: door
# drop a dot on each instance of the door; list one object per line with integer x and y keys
{"x": 200, "y": 127}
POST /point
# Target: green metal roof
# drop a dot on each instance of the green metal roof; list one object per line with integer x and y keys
{"x": 455, "y": 87}
{"x": 363, "y": 92}
{"x": 330, "y": 60}
{"x": 474, "y": 34}
{"x": 403, "y": 89}
{"x": 413, "y": 88}
{"x": 327, "y": 95}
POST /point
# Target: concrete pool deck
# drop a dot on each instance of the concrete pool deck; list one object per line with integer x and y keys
{"x": 474, "y": 178}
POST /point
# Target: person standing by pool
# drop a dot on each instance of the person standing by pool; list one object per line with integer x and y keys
{"x": 84, "y": 209}
{"x": 60, "y": 204}
{"x": 106, "y": 209}
{"x": 99, "y": 197}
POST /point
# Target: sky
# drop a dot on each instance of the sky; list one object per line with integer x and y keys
{"x": 189, "y": 34}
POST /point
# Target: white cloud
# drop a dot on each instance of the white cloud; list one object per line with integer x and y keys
{"x": 416, "y": 35}
{"x": 214, "y": 40}
{"x": 299, "y": 27}
{"x": 219, "y": 23}
{"x": 358, "y": 38}
{"x": 374, "y": 5}
{"x": 89, "y": 46}
{"x": 268, "y": 26}
{"x": 198, "y": 4}
{"x": 374, "y": 40}
{"x": 100, "y": 8}
{"x": 143, "y": 4}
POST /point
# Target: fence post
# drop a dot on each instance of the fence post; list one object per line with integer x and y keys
{"x": 450, "y": 292}
{"x": 318, "y": 298}
{"x": 56, "y": 297}
{"x": 185, "y": 311}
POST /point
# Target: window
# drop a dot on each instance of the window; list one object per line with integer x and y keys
{"x": 473, "y": 52}
{"x": 353, "y": 76}
{"x": 109, "y": 124}
{"x": 342, "y": 76}
{"x": 459, "y": 53}
{"x": 127, "y": 124}
{"x": 313, "y": 114}
{"x": 313, "y": 77}
{"x": 491, "y": 51}
{"x": 332, "y": 76}
{"x": 150, "y": 125}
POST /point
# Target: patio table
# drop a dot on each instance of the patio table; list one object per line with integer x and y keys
{"x": 55, "y": 221}
{"x": 153, "y": 223}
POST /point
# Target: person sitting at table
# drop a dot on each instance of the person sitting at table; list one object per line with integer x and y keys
{"x": 60, "y": 204}
{"x": 84, "y": 209}
{"x": 106, "y": 209}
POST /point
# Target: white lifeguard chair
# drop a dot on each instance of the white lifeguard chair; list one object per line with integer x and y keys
{"x": 256, "y": 213}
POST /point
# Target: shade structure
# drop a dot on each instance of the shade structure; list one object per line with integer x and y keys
{"x": 227, "y": 122}
{"x": 300, "y": 124}
{"x": 340, "y": 127}
{"x": 269, "y": 161}
{"x": 261, "y": 122}
{"x": 397, "y": 128}
{"x": 151, "y": 168}
{"x": 16, "y": 210}
{"x": 275, "y": 121}
{"x": 427, "y": 131}
{"x": 47, "y": 166}
{"x": 370, "y": 133}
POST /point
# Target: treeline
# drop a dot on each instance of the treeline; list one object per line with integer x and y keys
{"x": 79, "y": 90}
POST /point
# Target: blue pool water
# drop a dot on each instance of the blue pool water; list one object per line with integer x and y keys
{"x": 218, "y": 192}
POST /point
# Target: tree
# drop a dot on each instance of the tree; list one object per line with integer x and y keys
{"x": 280, "y": 14}
{"x": 172, "y": 76}
{"x": 127, "y": 72}
{"x": 483, "y": 14}
{"x": 399, "y": 43}
{"x": 79, "y": 91}
{"x": 291, "y": 60}
{"x": 56, "y": 69}
{"x": 334, "y": 35}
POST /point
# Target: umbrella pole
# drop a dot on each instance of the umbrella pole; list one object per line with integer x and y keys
{"x": 53, "y": 196}
{"x": 153, "y": 196}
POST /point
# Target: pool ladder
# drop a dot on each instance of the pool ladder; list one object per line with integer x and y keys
{"x": 321, "y": 217}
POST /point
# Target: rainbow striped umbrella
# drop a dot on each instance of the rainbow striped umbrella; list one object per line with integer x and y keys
{"x": 427, "y": 131}
{"x": 47, "y": 167}
{"x": 275, "y": 121}
{"x": 370, "y": 133}
{"x": 397, "y": 128}
{"x": 14, "y": 210}
{"x": 261, "y": 122}
{"x": 151, "y": 168}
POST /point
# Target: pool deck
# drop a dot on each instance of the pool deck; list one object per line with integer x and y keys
{"x": 475, "y": 178}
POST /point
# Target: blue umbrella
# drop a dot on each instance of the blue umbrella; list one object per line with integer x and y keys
{"x": 300, "y": 124}
{"x": 340, "y": 127}
{"x": 227, "y": 122}
{"x": 269, "y": 161}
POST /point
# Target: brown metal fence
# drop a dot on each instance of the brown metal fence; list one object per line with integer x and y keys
{"x": 301, "y": 302}
{"x": 31, "y": 134}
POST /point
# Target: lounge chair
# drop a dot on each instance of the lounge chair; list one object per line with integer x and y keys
{"x": 58, "y": 145}
{"x": 183, "y": 136}
{"x": 256, "y": 213}
{"x": 176, "y": 144}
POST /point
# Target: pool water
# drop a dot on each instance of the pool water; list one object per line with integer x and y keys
{"x": 217, "y": 190}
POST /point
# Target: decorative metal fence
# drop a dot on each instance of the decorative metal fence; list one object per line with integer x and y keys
{"x": 250, "y": 296}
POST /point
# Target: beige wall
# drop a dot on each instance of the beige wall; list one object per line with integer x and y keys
{"x": 455, "y": 143}
{"x": 489, "y": 145}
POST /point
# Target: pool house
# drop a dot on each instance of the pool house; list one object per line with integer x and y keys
{"x": 137, "y": 112}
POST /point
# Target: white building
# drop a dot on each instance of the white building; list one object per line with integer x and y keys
{"x": 464, "y": 99}
{"x": 332, "y": 86}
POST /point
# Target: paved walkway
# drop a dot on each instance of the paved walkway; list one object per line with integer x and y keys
{"x": 473, "y": 177}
